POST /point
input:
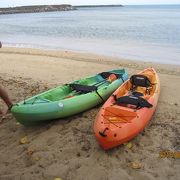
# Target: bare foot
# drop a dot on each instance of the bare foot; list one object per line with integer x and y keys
{"x": 3, "y": 114}
{"x": 6, "y": 111}
{"x": 2, "y": 118}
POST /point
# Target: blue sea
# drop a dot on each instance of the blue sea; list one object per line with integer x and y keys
{"x": 145, "y": 33}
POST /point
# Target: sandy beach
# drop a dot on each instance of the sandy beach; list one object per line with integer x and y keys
{"x": 67, "y": 148}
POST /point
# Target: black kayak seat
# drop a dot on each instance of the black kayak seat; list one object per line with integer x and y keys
{"x": 105, "y": 75}
{"x": 136, "y": 93}
{"x": 137, "y": 101}
{"x": 83, "y": 88}
{"x": 140, "y": 80}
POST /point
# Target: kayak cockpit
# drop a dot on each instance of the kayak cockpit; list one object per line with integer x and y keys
{"x": 66, "y": 91}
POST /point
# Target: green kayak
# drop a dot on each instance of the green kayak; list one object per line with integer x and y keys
{"x": 68, "y": 99}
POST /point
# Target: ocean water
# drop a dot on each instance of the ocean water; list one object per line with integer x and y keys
{"x": 145, "y": 33}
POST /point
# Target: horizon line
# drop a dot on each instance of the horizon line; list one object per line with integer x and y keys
{"x": 120, "y": 4}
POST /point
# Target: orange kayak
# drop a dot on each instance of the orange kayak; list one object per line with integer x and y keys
{"x": 128, "y": 110}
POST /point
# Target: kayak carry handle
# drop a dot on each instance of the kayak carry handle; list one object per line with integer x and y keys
{"x": 103, "y": 133}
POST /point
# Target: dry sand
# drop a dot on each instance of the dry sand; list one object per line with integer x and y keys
{"x": 67, "y": 148}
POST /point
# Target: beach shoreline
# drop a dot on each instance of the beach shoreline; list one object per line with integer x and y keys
{"x": 67, "y": 148}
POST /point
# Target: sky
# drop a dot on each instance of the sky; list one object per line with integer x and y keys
{"x": 11, "y": 3}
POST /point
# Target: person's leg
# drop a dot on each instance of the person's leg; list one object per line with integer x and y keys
{"x": 5, "y": 97}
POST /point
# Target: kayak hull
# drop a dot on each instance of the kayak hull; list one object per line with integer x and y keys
{"x": 120, "y": 123}
{"x": 44, "y": 107}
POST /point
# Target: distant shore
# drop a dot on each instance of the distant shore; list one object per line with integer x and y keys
{"x": 89, "y": 6}
{"x": 36, "y": 9}
{"x": 47, "y": 8}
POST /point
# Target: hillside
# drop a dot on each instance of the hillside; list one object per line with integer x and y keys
{"x": 36, "y": 9}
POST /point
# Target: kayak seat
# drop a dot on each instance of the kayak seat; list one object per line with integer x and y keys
{"x": 136, "y": 101}
{"x": 139, "y": 80}
{"x": 106, "y": 75}
{"x": 136, "y": 93}
{"x": 83, "y": 88}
